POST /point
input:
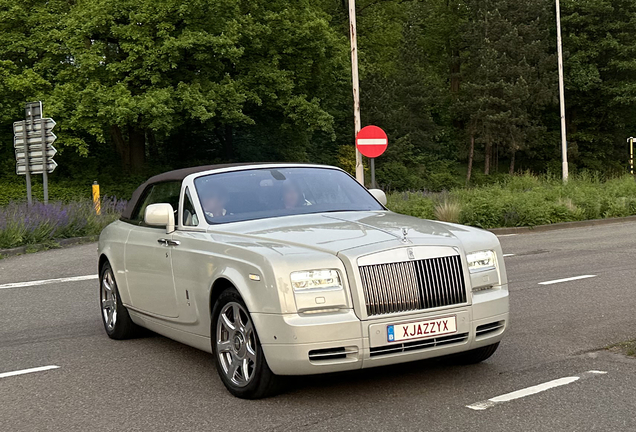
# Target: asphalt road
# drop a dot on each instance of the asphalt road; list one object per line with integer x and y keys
{"x": 155, "y": 384}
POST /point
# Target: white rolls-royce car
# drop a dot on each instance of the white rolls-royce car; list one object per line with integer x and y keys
{"x": 295, "y": 269}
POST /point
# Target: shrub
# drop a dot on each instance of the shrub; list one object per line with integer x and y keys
{"x": 448, "y": 211}
{"x": 524, "y": 200}
{"x": 22, "y": 224}
{"x": 418, "y": 204}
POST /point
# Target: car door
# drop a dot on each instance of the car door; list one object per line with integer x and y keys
{"x": 148, "y": 256}
{"x": 192, "y": 263}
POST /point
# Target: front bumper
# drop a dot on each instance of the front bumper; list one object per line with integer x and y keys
{"x": 305, "y": 345}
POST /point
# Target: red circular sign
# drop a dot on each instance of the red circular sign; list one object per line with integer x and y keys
{"x": 371, "y": 141}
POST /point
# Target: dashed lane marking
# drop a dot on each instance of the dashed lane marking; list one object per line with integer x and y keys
{"x": 27, "y": 371}
{"x": 489, "y": 403}
{"x": 550, "y": 282}
{"x": 47, "y": 281}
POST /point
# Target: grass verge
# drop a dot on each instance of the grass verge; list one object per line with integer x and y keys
{"x": 626, "y": 348}
{"x": 524, "y": 200}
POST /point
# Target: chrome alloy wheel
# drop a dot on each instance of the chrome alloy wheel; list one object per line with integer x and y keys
{"x": 236, "y": 344}
{"x": 108, "y": 294}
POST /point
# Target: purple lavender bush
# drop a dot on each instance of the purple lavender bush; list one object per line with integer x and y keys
{"x": 23, "y": 224}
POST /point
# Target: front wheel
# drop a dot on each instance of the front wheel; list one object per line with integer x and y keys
{"x": 477, "y": 355}
{"x": 239, "y": 357}
{"x": 115, "y": 317}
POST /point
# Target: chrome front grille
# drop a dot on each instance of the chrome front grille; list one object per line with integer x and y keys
{"x": 413, "y": 285}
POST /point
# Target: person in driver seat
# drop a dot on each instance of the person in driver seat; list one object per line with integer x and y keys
{"x": 293, "y": 196}
{"x": 213, "y": 200}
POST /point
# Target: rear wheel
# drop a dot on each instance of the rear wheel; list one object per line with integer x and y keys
{"x": 239, "y": 357}
{"x": 115, "y": 317}
{"x": 477, "y": 355}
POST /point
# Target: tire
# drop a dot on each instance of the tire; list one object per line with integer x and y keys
{"x": 477, "y": 355}
{"x": 237, "y": 351}
{"x": 115, "y": 316}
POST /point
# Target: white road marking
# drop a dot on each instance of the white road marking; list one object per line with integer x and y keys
{"x": 507, "y": 255}
{"x": 47, "y": 281}
{"x": 506, "y": 235}
{"x": 26, "y": 371}
{"x": 566, "y": 279}
{"x": 372, "y": 141}
{"x": 529, "y": 391}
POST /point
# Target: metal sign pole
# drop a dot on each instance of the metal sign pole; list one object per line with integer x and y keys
{"x": 33, "y": 148}
{"x": 26, "y": 166}
{"x": 45, "y": 164}
{"x": 356, "y": 86}
{"x": 630, "y": 140}
{"x": 372, "y": 173}
{"x": 564, "y": 140}
{"x": 30, "y": 114}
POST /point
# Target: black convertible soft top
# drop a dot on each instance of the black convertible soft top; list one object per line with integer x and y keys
{"x": 176, "y": 175}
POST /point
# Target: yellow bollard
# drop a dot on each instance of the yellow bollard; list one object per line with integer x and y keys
{"x": 96, "y": 201}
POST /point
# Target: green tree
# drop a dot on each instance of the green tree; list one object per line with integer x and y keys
{"x": 135, "y": 72}
{"x": 507, "y": 76}
{"x": 599, "y": 40}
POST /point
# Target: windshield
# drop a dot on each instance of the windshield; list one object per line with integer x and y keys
{"x": 265, "y": 193}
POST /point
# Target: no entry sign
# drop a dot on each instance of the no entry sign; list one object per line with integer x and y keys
{"x": 371, "y": 141}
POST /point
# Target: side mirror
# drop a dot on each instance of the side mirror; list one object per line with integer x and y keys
{"x": 160, "y": 215}
{"x": 379, "y": 195}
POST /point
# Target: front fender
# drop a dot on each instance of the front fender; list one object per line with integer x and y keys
{"x": 111, "y": 246}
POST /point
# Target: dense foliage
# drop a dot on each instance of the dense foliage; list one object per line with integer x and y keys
{"x": 463, "y": 88}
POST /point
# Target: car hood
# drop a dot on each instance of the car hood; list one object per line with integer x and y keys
{"x": 341, "y": 231}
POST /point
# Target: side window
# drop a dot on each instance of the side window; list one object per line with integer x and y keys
{"x": 166, "y": 192}
{"x": 189, "y": 213}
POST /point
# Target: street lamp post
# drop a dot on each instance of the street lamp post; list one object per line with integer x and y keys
{"x": 356, "y": 85}
{"x": 564, "y": 140}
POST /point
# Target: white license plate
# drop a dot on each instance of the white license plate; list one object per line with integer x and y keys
{"x": 422, "y": 329}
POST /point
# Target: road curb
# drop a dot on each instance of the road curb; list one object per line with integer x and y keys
{"x": 561, "y": 225}
{"x": 55, "y": 244}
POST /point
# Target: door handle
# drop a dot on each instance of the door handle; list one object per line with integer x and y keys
{"x": 168, "y": 242}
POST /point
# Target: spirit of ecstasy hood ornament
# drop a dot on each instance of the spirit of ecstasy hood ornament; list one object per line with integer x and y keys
{"x": 405, "y": 232}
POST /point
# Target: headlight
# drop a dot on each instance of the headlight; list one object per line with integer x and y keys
{"x": 316, "y": 280}
{"x": 480, "y": 261}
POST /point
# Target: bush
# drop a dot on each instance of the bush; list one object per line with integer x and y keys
{"x": 66, "y": 192}
{"x": 524, "y": 200}
{"x": 22, "y": 224}
{"x": 418, "y": 204}
{"x": 448, "y": 211}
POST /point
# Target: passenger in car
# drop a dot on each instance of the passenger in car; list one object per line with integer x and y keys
{"x": 213, "y": 200}
{"x": 293, "y": 196}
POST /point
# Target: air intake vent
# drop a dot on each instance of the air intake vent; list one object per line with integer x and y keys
{"x": 413, "y": 285}
{"x": 330, "y": 354}
{"x": 485, "y": 329}
{"x": 419, "y": 345}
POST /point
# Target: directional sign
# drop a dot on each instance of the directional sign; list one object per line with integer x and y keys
{"x": 371, "y": 141}
{"x": 36, "y": 168}
{"x": 19, "y": 127}
{"x": 20, "y": 154}
{"x": 30, "y": 140}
